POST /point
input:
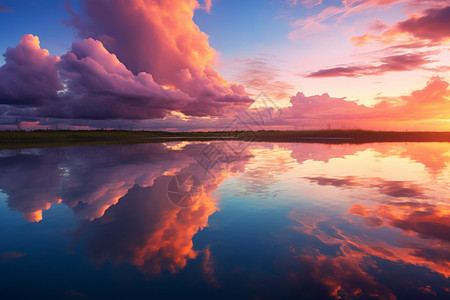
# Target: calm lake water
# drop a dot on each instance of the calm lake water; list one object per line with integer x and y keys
{"x": 226, "y": 220}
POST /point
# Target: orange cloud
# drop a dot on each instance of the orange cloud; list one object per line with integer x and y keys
{"x": 160, "y": 38}
{"x": 145, "y": 228}
{"x": 425, "y": 109}
{"x": 345, "y": 273}
{"x": 343, "y": 278}
{"x": 144, "y": 61}
{"x": 26, "y": 170}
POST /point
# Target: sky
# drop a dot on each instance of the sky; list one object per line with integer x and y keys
{"x": 202, "y": 65}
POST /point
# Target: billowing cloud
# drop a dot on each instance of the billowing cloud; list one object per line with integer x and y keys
{"x": 89, "y": 182}
{"x": 123, "y": 197}
{"x": 29, "y": 75}
{"x": 161, "y": 38}
{"x": 148, "y": 65}
{"x": 394, "y": 63}
{"x": 99, "y": 86}
{"x": 157, "y": 61}
{"x": 41, "y": 191}
{"x": 147, "y": 230}
{"x": 91, "y": 83}
{"x": 425, "y": 108}
{"x": 319, "y": 110}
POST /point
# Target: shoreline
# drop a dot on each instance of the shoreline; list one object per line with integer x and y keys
{"x": 55, "y": 138}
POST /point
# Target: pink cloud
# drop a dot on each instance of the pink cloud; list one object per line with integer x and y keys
{"x": 29, "y": 75}
{"x": 139, "y": 60}
{"x": 41, "y": 191}
{"x": 89, "y": 82}
{"x": 207, "y": 6}
{"x": 262, "y": 75}
{"x": 425, "y": 109}
{"x": 99, "y": 86}
{"x": 159, "y": 38}
{"x": 378, "y": 25}
{"x": 394, "y": 63}
{"x": 311, "y": 3}
{"x": 124, "y": 194}
{"x": 334, "y": 14}
{"x": 432, "y": 26}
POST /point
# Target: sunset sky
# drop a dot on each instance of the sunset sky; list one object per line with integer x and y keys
{"x": 196, "y": 65}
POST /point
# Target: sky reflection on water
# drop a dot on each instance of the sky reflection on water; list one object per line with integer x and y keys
{"x": 268, "y": 221}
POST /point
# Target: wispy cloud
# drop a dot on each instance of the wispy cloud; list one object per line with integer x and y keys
{"x": 260, "y": 74}
{"x": 393, "y": 63}
{"x": 4, "y": 8}
{"x": 334, "y": 15}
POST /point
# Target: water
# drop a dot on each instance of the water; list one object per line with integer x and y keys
{"x": 226, "y": 220}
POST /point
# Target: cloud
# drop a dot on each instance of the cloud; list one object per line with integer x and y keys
{"x": 432, "y": 27}
{"x": 423, "y": 109}
{"x": 4, "y": 8}
{"x": 259, "y": 74}
{"x": 160, "y": 38}
{"x": 378, "y": 25}
{"x": 99, "y": 86}
{"x": 397, "y": 189}
{"x": 331, "y": 17}
{"x": 12, "y": 255}
{"x": 148, "y": 60}
{"x": 334, "y": 15}
{"x": 89, "y": 182}
{"x": 343, "y": 278}
{"x": 91, "y": 83}
{"x": 146, "y": 230}
{"x": 420, "y": 237}
{"x": 207, "y": 6}
{"x": 311, "y": 3}
{"x": 318, "y": 110}
{"x": 29, "y": 75}
{"x": 394, "y": 63}
{"x": 426, "y": 221}
{"x": 42, "y": 190}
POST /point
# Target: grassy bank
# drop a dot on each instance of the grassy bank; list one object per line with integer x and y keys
{"x": 352, "y": 136}
{"x": 17, "y": 139}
